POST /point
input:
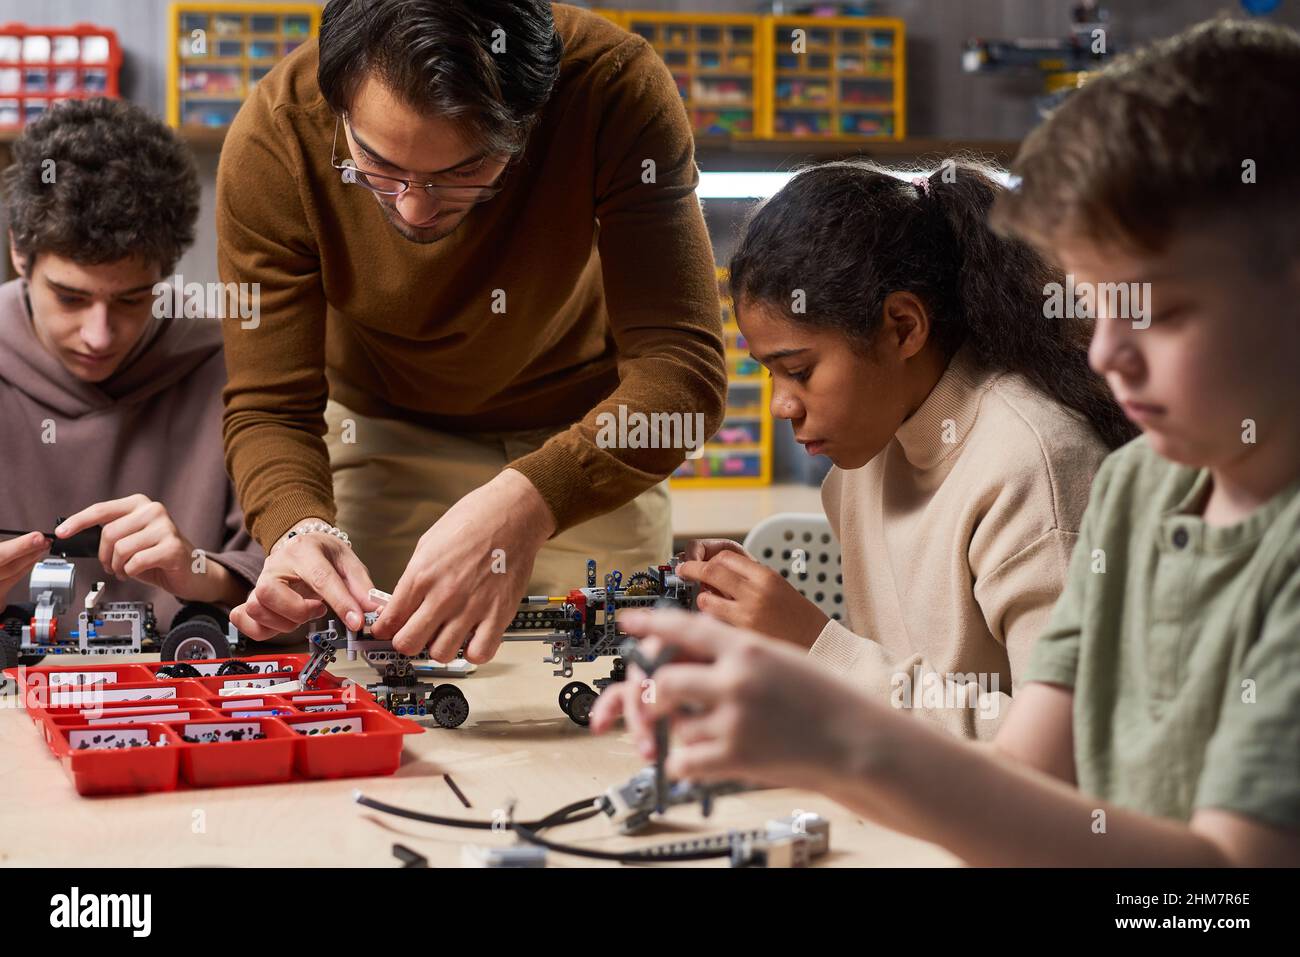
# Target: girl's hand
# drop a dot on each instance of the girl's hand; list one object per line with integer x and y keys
{"x": 740, "y": 591}
{"x": 702, "y": 549}
{"x": 741, "y": 706}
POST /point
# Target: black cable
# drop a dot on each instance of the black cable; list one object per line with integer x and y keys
{"x": 569, "y": 814}
{"x": 644, "y": 856}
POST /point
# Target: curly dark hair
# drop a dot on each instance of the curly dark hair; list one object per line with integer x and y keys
{"x": 438, "y": 56}
{"x": 121, "y": 184}
{"x": 850, "y": 232}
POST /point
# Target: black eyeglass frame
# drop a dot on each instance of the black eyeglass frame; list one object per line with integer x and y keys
{"x": 455, "y": 194}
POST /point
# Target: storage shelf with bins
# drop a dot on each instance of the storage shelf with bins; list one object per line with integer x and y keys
{"x": 843, "y": 77}
{"x": 219, "y": 51}
{"x": 740, "y": 453}
{"x": 41, "y": 66}
{"x": 715, "y": 59}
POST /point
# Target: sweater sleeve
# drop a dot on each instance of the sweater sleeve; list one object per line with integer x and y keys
{"x": 660, "y": 291}
{"x": 1016, "y": 598}
{"x": 276, "y": 389}
{"x": 912, "y": 684}
{"x": 240, "y": 554}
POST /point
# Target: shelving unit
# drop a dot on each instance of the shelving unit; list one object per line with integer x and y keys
{"x": 716, "y": 61}
{"x": 219, "y": 51}
{"x": 41, "y": 66}
{"x": 842, "y": 77}
{"x": 740, "y": 454}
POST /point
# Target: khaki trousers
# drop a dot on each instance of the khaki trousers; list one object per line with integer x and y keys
{"x": 395, "y": 479}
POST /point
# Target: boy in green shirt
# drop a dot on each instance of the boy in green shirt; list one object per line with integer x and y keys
{"x": 1159, "y": 723}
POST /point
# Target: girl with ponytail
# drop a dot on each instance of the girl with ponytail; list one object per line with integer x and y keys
{"x": 913, "y": 346}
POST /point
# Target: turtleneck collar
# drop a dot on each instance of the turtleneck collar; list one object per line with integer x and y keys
{"x": 940, "y": 426}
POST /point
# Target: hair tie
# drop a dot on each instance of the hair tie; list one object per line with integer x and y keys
{"x": 922, "y": 184}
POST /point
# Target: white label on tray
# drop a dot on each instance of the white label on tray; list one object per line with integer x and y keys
{"x": 337, "y": 726}
{"x": 81, "y": 678}
{"x": 108, "y": 740}
{"x": 73, "y": 699}
{"x": 311, "y": 697}
{"x": 149, "y": 716}
{"x": 247, "y": 683}
{"x": 269, "y": 713}
{"x": 246, "y": 703}
{"x": 209, "y": 733}
{"x": 152, "y": 709}
{"x": 332, "y": 706}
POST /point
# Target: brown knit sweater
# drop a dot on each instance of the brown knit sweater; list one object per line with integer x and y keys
{"x": 609, "y": 289}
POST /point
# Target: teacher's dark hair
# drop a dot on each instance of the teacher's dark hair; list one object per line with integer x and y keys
{"x": 488, "y": 64}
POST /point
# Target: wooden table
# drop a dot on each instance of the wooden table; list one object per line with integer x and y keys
{"x": 516, "y": 745}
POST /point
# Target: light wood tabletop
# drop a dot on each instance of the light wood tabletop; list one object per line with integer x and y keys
{"x": 516, "y": 746}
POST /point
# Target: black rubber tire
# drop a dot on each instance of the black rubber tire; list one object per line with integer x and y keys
{"x": 196, "y": 630}
{"x": 8, "y": 655}
{"x": 12, "y": 620}
{"x": 196, "y": 610}
{"x": 576, "y": 700}
{"x": 448, "y": 706}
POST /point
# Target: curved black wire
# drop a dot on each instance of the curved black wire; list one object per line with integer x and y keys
{"x": 569, "y": 814}
{"x": 622, "y": 857}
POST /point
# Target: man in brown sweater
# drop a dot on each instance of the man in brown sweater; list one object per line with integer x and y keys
{"x": 474, "y": 234}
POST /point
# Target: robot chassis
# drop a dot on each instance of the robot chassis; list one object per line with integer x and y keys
{"x": 580, "y": 627}
{"x": 30, "y": 632}
{"x": 399, "y": 688}
{"x": 583, "y": 625}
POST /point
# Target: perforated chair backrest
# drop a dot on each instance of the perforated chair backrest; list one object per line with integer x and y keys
{"x": 777, "y": 542}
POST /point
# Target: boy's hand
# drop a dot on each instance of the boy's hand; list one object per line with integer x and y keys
{"x": 17, "y": 558}
{"x": 141, "y": 541}
{"x": 740, "y": 591}
{"x": 302, "y": 578}
{"x": 741, "y": 707}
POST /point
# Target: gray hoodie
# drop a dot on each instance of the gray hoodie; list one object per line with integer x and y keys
{"x": 152, "y": 427}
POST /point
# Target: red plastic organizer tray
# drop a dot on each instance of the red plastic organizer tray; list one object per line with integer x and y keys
{"x": 41, "y": 66}
{"x": 118, "y": 729}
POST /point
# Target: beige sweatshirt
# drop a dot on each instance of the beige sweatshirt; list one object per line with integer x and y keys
{"x": 956, "y": 539}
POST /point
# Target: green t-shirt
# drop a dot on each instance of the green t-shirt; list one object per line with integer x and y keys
{"x": 1182, "y": 644}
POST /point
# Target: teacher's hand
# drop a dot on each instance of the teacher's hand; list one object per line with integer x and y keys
{"x": 468, "y": 572}
{"x": 301, "y": 576}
